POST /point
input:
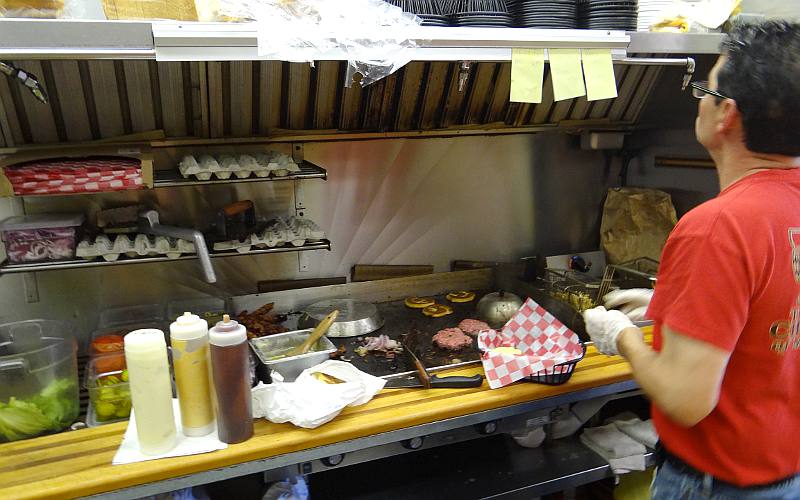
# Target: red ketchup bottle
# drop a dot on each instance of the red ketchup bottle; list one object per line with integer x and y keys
{"x": 230, "y": 368}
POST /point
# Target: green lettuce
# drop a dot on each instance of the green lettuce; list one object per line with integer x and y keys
{"x": 55, "y": 407}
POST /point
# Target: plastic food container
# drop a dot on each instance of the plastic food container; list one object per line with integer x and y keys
{"x": 119, "y": 321}
{"x": 38, "y": 378}
{"x": 289, "y": 367}
{"x": 109, "y": 390}
{"x": 152, "y": 314}
{"x": 36, "y": 238}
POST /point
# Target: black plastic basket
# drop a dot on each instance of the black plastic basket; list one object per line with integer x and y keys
{"x": 559, "y": 374}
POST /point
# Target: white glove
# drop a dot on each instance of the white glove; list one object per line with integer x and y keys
{"x": 633, "y": 302}
{"x": 604, "y": 327}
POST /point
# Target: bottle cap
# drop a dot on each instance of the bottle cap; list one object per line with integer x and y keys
{"x": 227, "y": 332}
{"x": 144, "y": 341}
{"x": 188, "y": 326}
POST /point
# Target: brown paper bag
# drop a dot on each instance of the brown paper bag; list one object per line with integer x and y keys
{"x": 636, "y": 223}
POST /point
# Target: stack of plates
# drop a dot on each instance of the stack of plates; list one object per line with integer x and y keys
{"x": 650, "y": 12}
{"x": 608, "y": 14}
{"x": 434, "y": 20}
{"x": 543, "y": 13}
{"x": 481, "y": 19}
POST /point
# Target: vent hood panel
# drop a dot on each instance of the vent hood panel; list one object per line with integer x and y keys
{"x": 101, "y": 99}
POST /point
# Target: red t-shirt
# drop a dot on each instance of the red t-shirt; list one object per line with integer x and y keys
{"x": 730, "y": 276}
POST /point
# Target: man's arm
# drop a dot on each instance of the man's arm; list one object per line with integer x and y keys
{"x": 683, "y": 380}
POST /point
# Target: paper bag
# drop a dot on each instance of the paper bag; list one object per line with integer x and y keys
{"x": 636, "y": 223}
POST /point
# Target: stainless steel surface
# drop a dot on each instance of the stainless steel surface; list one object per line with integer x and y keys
{"x": 400, "y": 435}
{"x": 491, "y": 467}
{"x": 180, "y": 41}
{"x": 355, "y": 317}
{"x": 497, "y": 308}
{"x": 172, "y": 178}
{"x": 7, "y": 268}
{"x": 149, "y": 224}
{"x": 389, "y": 201}
{"x": 675, "y": 43}
{"x": 188, "y": 101}
{"x": 76, "y": 39}
{"x": 290, "y": 367}
{"x": 227, "y": 41}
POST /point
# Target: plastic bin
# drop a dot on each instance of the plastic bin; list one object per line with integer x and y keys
{"x": 109, "y": 390}
{"x": 38, "y": 378}
{"x": 123, "y": 320}
{"x": 43, "y": 237}
{"x": 148, "y": 314}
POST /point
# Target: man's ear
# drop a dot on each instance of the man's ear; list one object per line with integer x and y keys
{"x": 729, "y": 115}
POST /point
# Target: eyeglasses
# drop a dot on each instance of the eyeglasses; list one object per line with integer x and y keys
{"x": 700, "y": 90}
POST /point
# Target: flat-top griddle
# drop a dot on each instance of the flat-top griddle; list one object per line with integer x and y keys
{"x": 399, "y": 321}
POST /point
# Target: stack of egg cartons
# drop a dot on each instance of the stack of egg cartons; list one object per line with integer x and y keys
{"x": 241, "y": 166}
{"x": 110, "y": 248}
{"x": 278, "y": 231}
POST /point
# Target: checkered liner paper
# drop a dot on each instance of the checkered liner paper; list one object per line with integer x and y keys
{"x": 544, "y": 341}
{"x": 75, "y": 176}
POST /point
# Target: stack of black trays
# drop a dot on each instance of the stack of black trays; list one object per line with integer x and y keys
{"x": 543, "y": 13}
{"x": 434, "y": 20}
{"x": 482, "y": 19}
{"x": 608, "y": 14}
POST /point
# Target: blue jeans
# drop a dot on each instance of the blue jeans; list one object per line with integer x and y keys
{"x": 672, "y": 484}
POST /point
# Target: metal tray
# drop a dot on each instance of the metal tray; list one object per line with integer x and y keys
{"x": 290, "y": 367}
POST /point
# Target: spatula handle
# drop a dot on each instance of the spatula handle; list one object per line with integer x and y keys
{"x": 320, "y": 330}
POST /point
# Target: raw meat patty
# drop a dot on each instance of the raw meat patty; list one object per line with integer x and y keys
{"x": 452, "y": 339}
{"x": 472, "y": 326}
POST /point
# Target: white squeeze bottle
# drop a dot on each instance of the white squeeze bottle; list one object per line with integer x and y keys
{"x": 151, "y": 390}
{"x": 189, "y": 338}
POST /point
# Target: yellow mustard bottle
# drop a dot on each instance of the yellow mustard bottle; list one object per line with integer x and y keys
{"x": 190, "y": 359}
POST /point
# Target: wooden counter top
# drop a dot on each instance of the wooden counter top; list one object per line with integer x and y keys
{"x": 78, "y": 463}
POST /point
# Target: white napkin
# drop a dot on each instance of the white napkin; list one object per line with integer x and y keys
{"x": 128, "y": 451}
{"x": 638, "y": 430}
{"x": 308, "y": 402}
{"x": 622, "y": 453}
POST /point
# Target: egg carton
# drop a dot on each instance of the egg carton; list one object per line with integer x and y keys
{"x": 242, "y": 166}
{"x": 141, "y": 245}
{"x": 307, "y": 228}
{"x": 295, "y": 231}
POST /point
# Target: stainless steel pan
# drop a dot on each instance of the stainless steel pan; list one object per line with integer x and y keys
{"x": 355, "y": 317}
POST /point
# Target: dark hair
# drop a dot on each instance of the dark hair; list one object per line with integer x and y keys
{"x": 762, "y": 74}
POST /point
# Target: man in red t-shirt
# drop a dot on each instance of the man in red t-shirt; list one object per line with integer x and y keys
{"x": 724, "y": 370}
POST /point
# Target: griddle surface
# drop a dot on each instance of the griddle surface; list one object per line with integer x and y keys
{"x": 399, "y": 321}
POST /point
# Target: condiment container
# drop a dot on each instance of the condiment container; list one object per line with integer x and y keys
{"x": 230, "y": 368}
{"x": 190, "y": 360}
{"x": 38, "y": 378}
{"x": 36, "y": 238}
{"x": 151, "y": 390}
{"x": 109, "y": 390}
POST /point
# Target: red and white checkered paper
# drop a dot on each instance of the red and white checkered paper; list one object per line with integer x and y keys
{"x": 543, "y": 340}
{"x": 75, "y": 176}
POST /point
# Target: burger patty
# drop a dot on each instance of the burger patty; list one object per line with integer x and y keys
{"x": 452, "y": 339}
{"x": 472, "y": 326}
